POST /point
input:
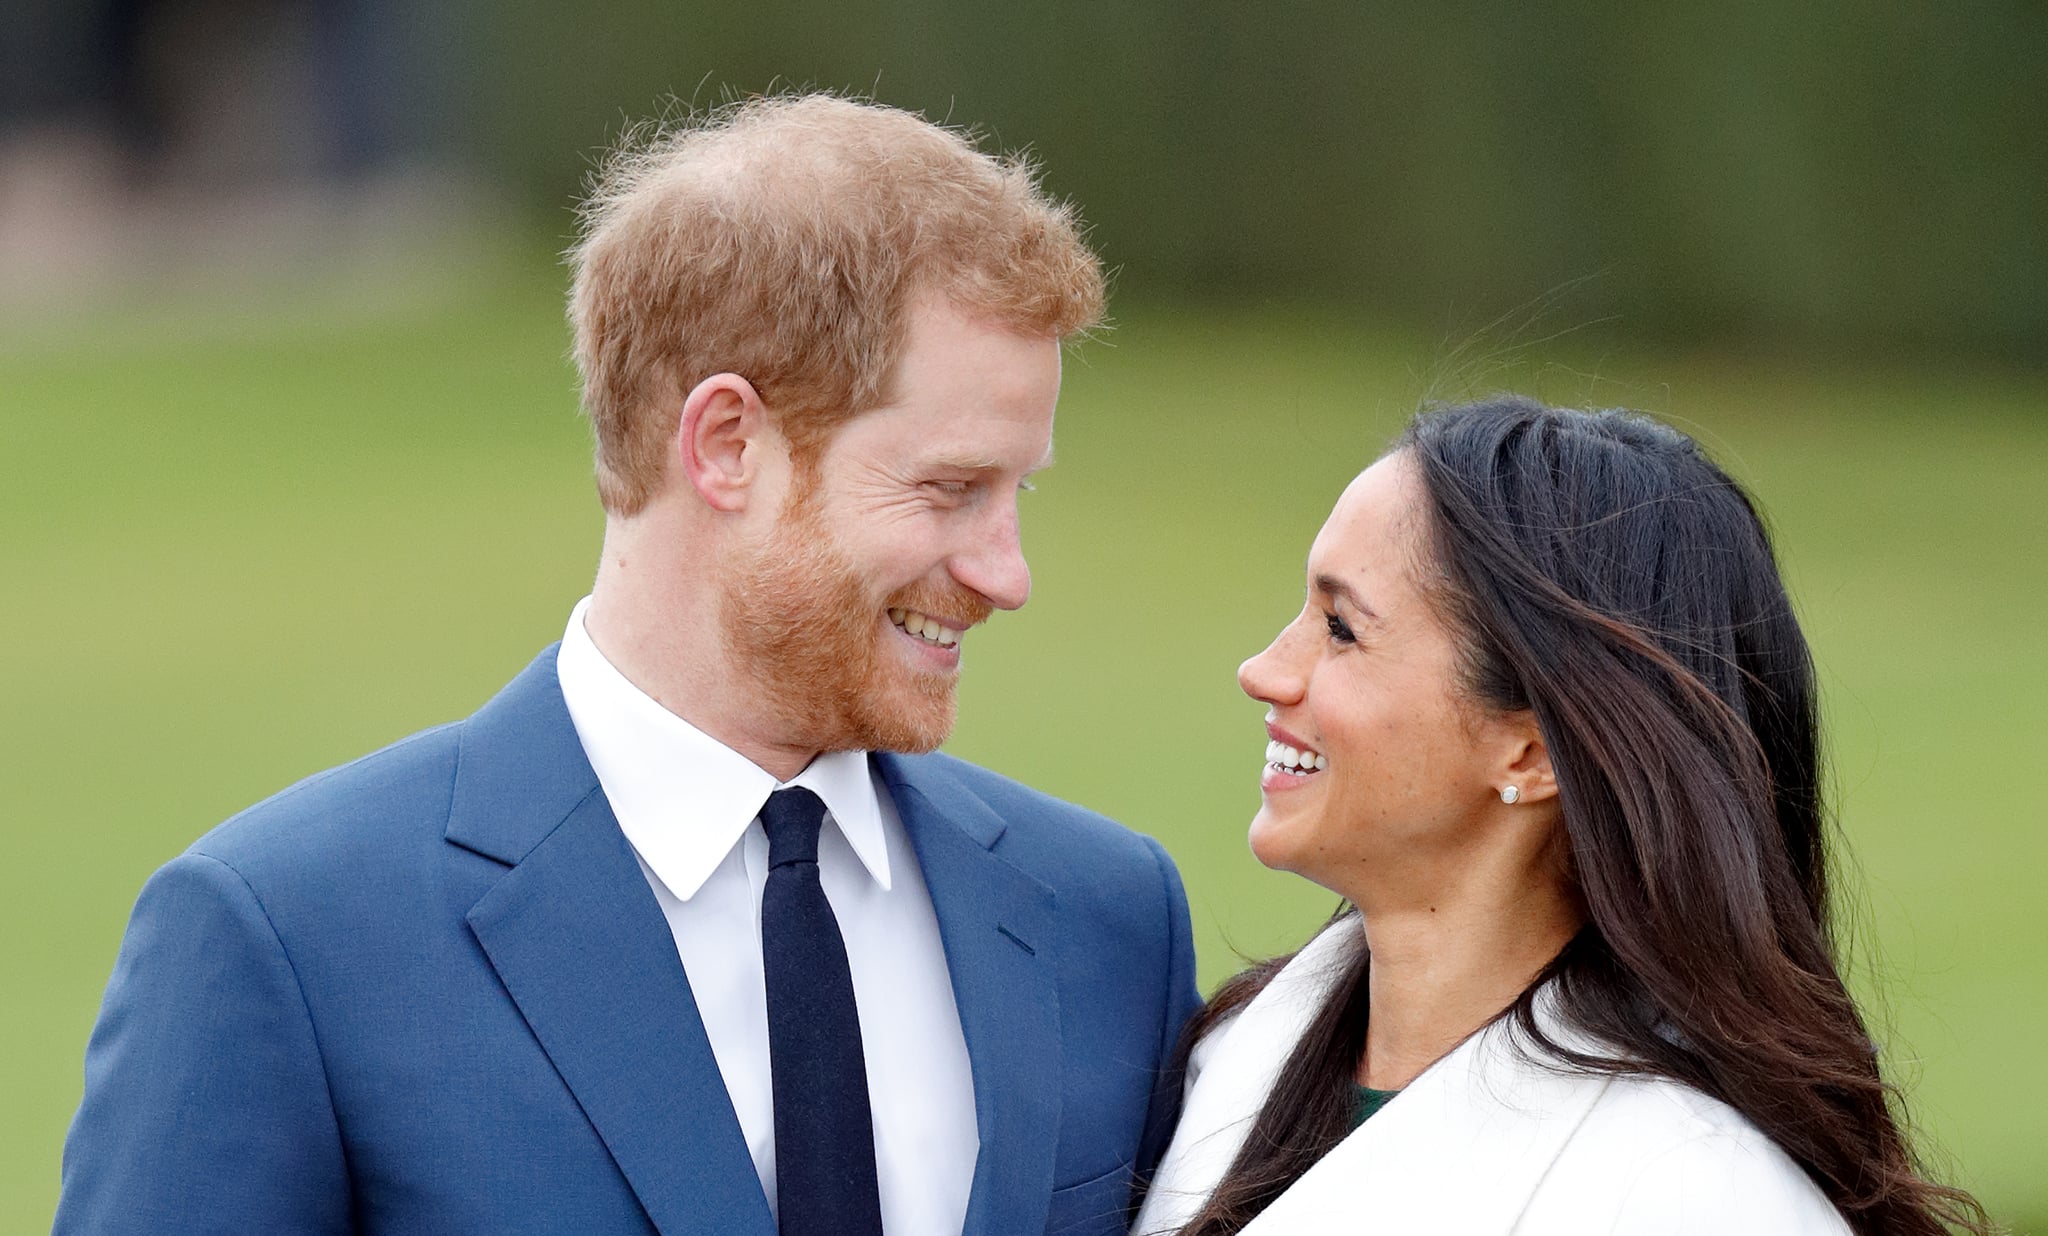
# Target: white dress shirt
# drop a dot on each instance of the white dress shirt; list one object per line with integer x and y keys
{"x": 689, "y": 805}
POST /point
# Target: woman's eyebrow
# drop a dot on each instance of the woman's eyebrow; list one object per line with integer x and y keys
{"x": 1333, "y": 586}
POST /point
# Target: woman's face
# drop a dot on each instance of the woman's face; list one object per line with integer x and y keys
{"x": 1379, "y": 767}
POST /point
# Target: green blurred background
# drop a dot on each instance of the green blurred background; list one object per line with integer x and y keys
{"x": 290, "y": 465}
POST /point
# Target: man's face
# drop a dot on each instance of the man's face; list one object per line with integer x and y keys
{"x": 851, "y": 614}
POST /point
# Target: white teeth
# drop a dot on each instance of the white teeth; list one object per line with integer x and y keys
{"x": 925, "y": 627}
{"x": 1293, "y": 759}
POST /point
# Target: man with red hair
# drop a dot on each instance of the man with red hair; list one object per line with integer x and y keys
{"x": 688, "y": 930}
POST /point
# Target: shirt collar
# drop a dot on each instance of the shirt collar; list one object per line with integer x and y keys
{"x": 682, "y": 797}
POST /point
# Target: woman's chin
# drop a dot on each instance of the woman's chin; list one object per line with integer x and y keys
{"x": 1274, "y": 841}
{"x": 1293, "y": 842}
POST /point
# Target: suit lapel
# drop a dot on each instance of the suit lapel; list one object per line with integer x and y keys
{"x": 996, "y": 923}
{"x": 577, "y": 938}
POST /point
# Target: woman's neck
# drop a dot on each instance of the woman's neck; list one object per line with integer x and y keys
{"x": 1441, "y": 971}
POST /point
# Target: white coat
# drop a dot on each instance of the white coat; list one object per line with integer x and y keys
{"x": 1486, "y": 1142}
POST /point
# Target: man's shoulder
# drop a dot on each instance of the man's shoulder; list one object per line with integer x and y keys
{"x": 991, "y": 786}
{"x": 332, "y": 818}
{"x": 1044, "y": 834}
{"x": 385, "y": 808}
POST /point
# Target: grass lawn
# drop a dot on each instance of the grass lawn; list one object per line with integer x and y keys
{"x": 242, "y": 545}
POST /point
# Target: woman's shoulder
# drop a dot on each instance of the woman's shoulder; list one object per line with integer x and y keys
{"x": 1655, "y": 1155}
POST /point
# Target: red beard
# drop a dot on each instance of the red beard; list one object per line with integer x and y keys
{"x": 798, "y": 619}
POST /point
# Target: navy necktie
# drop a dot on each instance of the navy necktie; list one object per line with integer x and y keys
{"x": 824, "y": 1128}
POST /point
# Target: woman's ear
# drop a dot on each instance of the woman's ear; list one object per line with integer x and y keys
{"x": 721, "y": 440}
{"x": 1526, "y": 766}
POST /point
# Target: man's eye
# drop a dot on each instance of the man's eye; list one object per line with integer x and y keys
{"x": 952, "y": 489}
{"x": 1338, "y": 631}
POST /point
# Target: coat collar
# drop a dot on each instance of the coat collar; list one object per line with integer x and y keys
{"x": 1487, "y": 1111}
{"x": 520, "y": 769}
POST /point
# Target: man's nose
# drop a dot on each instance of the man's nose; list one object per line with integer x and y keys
{"x": 994, "y": 565}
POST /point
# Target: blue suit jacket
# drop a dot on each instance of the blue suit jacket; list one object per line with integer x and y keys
{"x": 430, "y": 991}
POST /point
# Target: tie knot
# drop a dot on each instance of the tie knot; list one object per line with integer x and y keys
{"x": 792, "y": 819}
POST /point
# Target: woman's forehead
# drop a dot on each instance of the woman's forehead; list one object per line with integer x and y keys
{"x": 1372, "y": 526}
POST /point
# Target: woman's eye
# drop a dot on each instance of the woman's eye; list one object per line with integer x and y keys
{"x": 1338, "y": 631}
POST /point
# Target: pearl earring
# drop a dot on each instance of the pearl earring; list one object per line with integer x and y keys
{"x": 1511, "y": 794}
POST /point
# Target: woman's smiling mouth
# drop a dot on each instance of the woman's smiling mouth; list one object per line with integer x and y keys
{"x": 1290, "y": 763}
{"x": 1294, "y": 761}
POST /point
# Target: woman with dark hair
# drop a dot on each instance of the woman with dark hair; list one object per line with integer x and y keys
{"x": 1548, "y": 725}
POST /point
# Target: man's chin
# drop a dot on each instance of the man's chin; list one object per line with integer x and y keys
{"x": 906, "y": 707}
{"x": 911, "y": 728}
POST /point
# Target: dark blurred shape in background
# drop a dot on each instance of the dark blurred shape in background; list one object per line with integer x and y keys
{"x": 1834, "y": 174}
{"x": 151, "y": 144}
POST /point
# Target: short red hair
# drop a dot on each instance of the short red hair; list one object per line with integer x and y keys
{"x": 782, "y": 239}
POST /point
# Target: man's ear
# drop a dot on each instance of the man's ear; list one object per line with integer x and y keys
{"x": 1527, "y": 766}
{"x": 721, "y": 440}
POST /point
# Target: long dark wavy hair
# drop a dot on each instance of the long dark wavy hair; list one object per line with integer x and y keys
{"x": 1597, "y": 569}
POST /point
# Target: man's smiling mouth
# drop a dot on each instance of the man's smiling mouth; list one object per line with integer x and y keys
{"x": 924, "y": 627}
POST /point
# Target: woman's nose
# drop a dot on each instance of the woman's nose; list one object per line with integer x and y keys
{"x": 1270, "y": 677}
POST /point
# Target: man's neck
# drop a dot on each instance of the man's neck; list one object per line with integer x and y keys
{"x": 666, "y": 646}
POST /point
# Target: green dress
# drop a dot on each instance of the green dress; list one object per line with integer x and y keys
{"x": 1369, "y": 1102}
